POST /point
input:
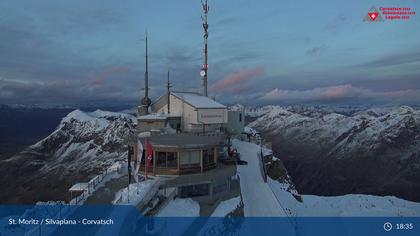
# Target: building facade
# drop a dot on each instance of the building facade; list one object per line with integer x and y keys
{"x": 177, "y": 154}
{"x": 199, "y": 114}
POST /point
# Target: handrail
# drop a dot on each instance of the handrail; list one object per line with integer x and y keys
{"x": 94, "y": 182}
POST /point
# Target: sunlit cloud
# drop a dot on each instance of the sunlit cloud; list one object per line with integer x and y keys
{"x": 237, "y": 82}
{"x": 339, "y": 92}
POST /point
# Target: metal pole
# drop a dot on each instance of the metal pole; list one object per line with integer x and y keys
{"x": 146, "y": 74}
{"x": 131, "y": 135}
{"x": 206, "y": 35}
{"x": 169, "y": 94}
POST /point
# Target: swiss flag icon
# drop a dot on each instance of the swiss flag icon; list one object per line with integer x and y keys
{"x": 373, "y": 15}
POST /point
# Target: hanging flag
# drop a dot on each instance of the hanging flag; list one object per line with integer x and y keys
{"x": 138, "y": 160}
{"x": 129, "y": 163}
{"x": 149, "y": 154}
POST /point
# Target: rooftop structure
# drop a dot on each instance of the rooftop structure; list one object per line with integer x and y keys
{"x": 198, "y": 114}
{"x": 198, "y": 101}
{"x": 186, "y": 129}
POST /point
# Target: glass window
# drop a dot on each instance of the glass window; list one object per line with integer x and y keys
{"x": 171, "y": 159}
{"x": 208, "y": 156}
{"x": 184, "y": 158}
{"x": 161, "y": 159}
{"x": 195, "y": 157}
{"x": 205, "y": 156}
{"x": 188, "y": 158}
{"x": 240, "y": 117}
{"x": 166, "y": 159}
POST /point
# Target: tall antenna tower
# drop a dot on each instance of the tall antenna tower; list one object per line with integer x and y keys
{"x": 168, "y": 88}
{"x": 204, "y": 70}
{"x": 145, "y": 102}
{"x": 146, "y": 74}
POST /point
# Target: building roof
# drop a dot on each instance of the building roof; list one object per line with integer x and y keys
{"x": 198, "y": 101}
{"x": 183, "y": 140}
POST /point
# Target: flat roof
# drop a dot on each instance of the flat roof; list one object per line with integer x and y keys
{"x": 198, "y": 101}
{"x": 182, "y": 140}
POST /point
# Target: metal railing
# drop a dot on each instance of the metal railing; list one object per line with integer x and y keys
{"x": 263, "y": 168}
{"x": 94, "y": 182}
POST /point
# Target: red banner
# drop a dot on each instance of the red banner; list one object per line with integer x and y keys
{"x": 149, "y": 154}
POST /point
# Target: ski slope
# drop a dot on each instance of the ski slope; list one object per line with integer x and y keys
{"x": 258, "y": 198}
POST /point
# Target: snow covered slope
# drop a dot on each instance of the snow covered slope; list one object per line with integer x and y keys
{"x": 346, "y": 205}
{"x": 372, "y": 151}
{"x": 258, "y": 198}
{"x": 83, "y": 145}
{"x": 293, "y": 204}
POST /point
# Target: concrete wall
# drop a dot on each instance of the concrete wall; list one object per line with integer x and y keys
{"x": 212, "y": 116}
{"x": 145, "y": 126}
{"x": 236, "y": 122}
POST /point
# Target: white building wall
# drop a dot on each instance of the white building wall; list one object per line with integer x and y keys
{"x": 189, "y": 114}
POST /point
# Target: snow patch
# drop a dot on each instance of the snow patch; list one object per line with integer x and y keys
{"x": 226, "y": 207}
{"x": 137, "y": 193}
{"x": 181, "y": 207}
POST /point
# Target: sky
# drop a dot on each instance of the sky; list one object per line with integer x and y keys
{"x": 260, "y": 52}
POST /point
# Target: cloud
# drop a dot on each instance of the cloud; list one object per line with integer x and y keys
{"x": 98, "y": 79}
{"x": 238, "y": 81}
{"x": 316, "y": 51}
{"x": 66, "y": 91}
{"x": 395, "y": 59}
{"x": 340, "y": 93}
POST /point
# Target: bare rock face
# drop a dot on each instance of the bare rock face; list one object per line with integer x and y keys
{"x": 82, "y": 146}
{"x": 374, "y": 151}
{"x": 277, "y": 171}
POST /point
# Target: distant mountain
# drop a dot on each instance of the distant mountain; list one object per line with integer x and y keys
{"x": 83, "y": 145}
{"x": 374, "y": 151}
{"x": 296, "y": 205}
{"x": 22, "y": 125}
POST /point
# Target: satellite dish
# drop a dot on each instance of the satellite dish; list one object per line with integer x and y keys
{"x": 202, "y": 73}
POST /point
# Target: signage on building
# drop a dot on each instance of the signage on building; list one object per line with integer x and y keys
{"x": 211, "y": 116}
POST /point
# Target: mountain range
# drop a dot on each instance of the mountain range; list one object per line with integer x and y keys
{"x": 326, "y": 152}
{"x": 83, "y": 145}
{"x": 329, "y": 152}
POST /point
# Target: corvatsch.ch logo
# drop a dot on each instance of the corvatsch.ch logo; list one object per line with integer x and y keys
{"x": 373, "y": 15}
{"x": 389, "y": 14}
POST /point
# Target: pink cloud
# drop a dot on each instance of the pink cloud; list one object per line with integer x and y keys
{"x": 98, "y": 79}
{"x": 236, "y": 82}
{"x": 331, "y": 92}
{"x": 338, "y": 92}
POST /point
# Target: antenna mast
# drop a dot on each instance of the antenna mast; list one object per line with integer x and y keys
{"x": 145, "y": 102}
{"x": 206, "y": 35}
{"x": 168, "y": 87}
{"x": 146, "y": 74}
